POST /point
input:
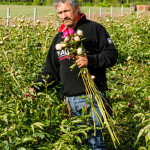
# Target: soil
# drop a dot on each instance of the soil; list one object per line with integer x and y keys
{"x": 94, "y": 17}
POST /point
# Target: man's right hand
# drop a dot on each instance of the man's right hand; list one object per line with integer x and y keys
{"x": 30, "y": 95}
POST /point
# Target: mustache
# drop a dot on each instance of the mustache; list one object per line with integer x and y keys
{"x": 67, "y": 18}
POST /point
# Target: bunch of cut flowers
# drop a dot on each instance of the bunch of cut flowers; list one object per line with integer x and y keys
{"x": 72, "y": 42}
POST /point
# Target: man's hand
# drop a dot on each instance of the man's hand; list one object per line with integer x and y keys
{"x": 28, "y": 94}
{"x": 82, "y": 61}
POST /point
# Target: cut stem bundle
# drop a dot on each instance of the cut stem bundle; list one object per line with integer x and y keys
{"x": 95, "y": 94}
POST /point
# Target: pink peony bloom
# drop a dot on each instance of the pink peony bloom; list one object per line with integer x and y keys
{"x": 66, "y": 33}
{"x": 71, "y": 31}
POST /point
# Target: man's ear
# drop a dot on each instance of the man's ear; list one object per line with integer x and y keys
{"x": 77, "y": 8}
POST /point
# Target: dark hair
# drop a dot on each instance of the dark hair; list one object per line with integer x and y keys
{"x": 73, "y": 3}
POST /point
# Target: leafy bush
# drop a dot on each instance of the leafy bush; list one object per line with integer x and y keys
{"x": 39, "y": 123}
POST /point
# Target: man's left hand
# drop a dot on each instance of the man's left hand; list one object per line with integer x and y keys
{"x": 82, "y": 61}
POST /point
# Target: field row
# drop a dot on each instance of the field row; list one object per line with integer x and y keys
{"x": 28, "y": 11}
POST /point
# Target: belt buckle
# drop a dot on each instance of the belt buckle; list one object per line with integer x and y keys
{"x": 66, "y": 99}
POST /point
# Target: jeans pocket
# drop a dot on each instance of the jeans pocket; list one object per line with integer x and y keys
{"x": 81, "y": 104}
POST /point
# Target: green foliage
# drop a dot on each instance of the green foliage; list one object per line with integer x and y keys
{"x": 145, "y": 131}
{"x": 129, "y": 79}
{"x": 38, "y": 123}
{"x": 103, "y": 3}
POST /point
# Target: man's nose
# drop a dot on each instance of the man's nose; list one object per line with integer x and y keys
{"x": 64, "y": 14}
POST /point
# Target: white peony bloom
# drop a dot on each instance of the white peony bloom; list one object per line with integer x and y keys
{"x": 79, "y": 51}
{"x": 80, "y": 32}
{"x": 58, "y": 47}
{"x": 77, "y": 38}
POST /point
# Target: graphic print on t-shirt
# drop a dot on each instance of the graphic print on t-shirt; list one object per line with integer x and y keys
{"x": 62, "y": 54}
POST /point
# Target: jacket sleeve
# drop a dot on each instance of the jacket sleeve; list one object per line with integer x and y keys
{"x": 50, "y": 73}
{"x": 107, "y": 53}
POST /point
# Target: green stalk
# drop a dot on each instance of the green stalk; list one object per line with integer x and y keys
{"x": 10, "y": 67}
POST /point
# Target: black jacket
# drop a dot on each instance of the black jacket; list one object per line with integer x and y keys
{"x": 102, "y": 54}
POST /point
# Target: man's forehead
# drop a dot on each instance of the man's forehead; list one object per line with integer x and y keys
{"x": 63, "y": 6}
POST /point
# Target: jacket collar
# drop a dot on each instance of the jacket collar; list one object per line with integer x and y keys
{"x": 63, "y": 28}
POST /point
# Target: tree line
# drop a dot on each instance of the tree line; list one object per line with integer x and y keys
{"x": 104, "y": 3}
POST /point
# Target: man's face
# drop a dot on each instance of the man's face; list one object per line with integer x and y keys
{"x": 67, "y": 14}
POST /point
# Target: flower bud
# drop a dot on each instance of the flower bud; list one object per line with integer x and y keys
{"x": 14, "y": 26}
{"x": 58, "y": 47}
{"x": 92, "y": 77}
{"x": 124, "y": 76}
{"x": 19, "y": 26}
{"x": 66, "y": 39}
{"x": 129, "y": 104}
{"x": 38, "y": 21}
{"x": 79, "y": 51}
{"x": 77, "y": 38}
{"x": 80, "y": 32}
{"x": 21, "y": 20}
{"x": 1, "y": 42}
{"x": 129, "y": 57}
{"x": 4, "y": 38}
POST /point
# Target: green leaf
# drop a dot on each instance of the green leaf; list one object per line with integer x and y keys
{"x": 21, "y": 148}
{"x": 4, "y": 145}
{"x": 78, "y": 139}
{"x": 72, "y": 66}
{"x": 38, "y": 124}
{"x": 142, "y": 148}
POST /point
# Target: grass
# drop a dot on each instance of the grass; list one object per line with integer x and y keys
{"x": 28, "y": 11}
{"x": 16, "y": 10}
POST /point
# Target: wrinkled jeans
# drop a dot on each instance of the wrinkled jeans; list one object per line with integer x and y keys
{"x": 76, "y": 104}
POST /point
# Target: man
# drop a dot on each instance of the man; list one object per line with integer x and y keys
{"x": 101, "y": 54}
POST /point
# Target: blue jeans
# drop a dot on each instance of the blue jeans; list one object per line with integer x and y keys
{"x": 76, "y": 105}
